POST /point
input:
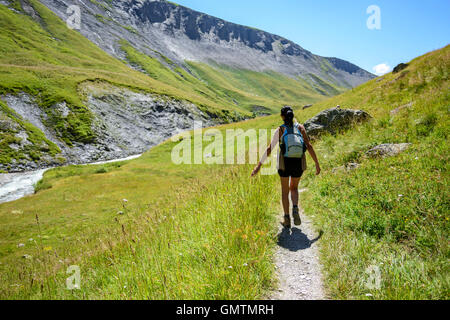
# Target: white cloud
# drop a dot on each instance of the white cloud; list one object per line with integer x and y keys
{"x": 381, "y": 69}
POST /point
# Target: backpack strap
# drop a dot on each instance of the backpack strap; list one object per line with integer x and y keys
{"x": 288, "y": 128}
{"x": 305, "y": 148}
{"x": 297, "y": 126}
{"x": 283, "y": 130}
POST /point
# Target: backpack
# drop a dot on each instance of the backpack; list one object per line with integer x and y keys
{"x": 292, "y": 142}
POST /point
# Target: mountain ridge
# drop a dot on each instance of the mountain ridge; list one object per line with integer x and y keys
{"x": 182, "y": 34}
{"x": 289, "y": 47}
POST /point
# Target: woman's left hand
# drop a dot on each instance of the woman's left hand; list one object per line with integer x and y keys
{"x": 318, "y": 170}
{"x": 256, "y": 170}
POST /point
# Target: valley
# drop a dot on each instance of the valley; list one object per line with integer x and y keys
{"x": 133, "y": 80}
{"x": 50, "y": 118}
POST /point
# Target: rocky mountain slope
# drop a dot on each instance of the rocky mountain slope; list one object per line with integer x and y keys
{"x": 137, "y": 72}
{"x": 158, "y": 27}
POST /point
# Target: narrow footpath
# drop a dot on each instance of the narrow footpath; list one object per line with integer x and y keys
{"x": 297, "y": 263}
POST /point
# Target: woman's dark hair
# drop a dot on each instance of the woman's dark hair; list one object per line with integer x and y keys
{"x": 288, "y": 115}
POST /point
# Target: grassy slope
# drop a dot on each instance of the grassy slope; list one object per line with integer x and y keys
{"x": 184, "y": 227}
{"x": 390, "y": 213}
{"x": 47, "y": 60}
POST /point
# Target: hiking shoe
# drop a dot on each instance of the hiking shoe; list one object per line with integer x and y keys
{"x": 287, "y": 222}
{"x": 296, "y": 214}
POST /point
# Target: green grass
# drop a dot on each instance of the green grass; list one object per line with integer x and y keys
{"x": 251, "y": 88}
{"x": 172, "y": 250}
{"x": 42, "y": 185}
{"x": 390, "y": 213}
{"x": 184, "y": 227}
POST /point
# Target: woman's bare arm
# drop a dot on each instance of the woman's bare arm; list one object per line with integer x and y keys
{"x": 270, "y": 148}
{"x": 310, "y": 148}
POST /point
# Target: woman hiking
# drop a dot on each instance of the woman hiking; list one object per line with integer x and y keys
{"x": 294, "y": 142}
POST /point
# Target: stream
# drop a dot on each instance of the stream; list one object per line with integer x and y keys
{"x": 14, "y": 186}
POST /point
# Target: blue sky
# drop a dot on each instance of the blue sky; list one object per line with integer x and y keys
{"x": 409, "y": 28}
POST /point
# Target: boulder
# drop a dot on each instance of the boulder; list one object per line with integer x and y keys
{"x": 7, "y": 124}
{"x": 388, "y": 150}
{"x": 352, "y": 166}
{"x": 406, "y": 106}
{"x": 346, "y": 168}
{"x": 400, "y": 67}
{"x": 260, "y": 111}
{"x": 334, "y": 120}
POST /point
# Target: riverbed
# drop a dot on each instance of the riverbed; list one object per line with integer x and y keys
{"x": 14, "y": 186}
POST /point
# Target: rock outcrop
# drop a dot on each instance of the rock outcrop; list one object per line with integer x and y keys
{"x": 400, "y": 67}
{"x": 347, "y": 168}
{"x": 334, "y": 120}
{"x": 126, "y": 123}
{"x": 388, "y": 150}
{"x": 405, "y": 106}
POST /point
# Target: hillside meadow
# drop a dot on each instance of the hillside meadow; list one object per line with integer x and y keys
{"x": 150, "y": 229}
{"x": 390, "y": 215}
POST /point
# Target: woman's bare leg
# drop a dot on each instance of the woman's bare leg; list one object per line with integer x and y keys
{"x": 285, "y": 194}
{"x": 294, "y": 190}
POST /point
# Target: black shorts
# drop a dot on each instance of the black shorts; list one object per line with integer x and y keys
{"x": 292, "y": 168}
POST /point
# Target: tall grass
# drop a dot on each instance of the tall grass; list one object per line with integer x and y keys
{"x": 79, "y": 220}
{"x": 217, "y": 244}
{"x": 391, "y": 213}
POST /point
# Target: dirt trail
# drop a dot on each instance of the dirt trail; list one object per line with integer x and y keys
{"x": 297, "y": 264}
